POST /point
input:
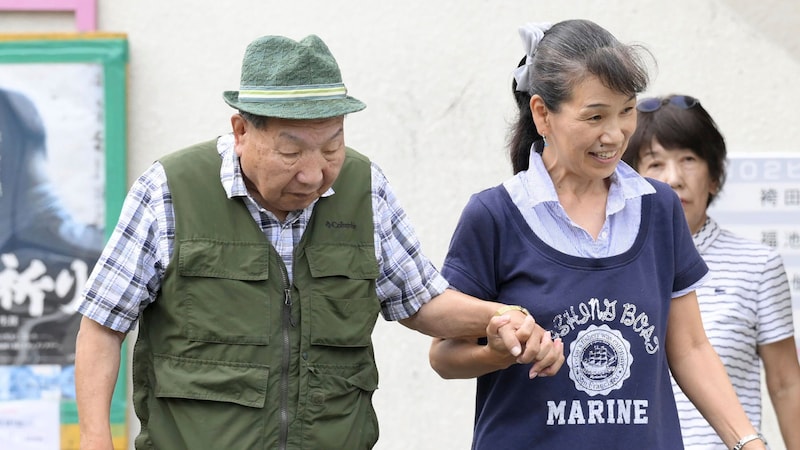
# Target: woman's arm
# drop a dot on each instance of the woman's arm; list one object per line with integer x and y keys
{"x": 466, "y": 358}
{"x": 701, "y": 375}
{"x": 462, "y": 358}
{"x": 783, "y": 383}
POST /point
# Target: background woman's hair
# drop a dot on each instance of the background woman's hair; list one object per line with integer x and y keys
{"x": 678, "y": 128}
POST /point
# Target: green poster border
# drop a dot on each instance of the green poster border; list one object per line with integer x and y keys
{"x": 110, "y": 51}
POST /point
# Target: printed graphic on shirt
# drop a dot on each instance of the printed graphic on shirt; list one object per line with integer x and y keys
{"x": 599, "y": 360}
{"x": 593, "y": 311}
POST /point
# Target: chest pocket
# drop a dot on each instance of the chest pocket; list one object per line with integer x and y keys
{"x": 224, "y": 290}
{"x": 344, "y": 304}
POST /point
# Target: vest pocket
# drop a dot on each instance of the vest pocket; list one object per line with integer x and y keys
{"x": 225, "y": 293}
{"x": 343, "y": 322}
{"x": 344, "y": 305}
{"x": 207, "y": 404}
{"x": 240, "y": 383}
{"x": 351, "y": 261}
{"x": 339, "y": 412}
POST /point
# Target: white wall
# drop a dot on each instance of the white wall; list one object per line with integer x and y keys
{"x": 435, "y": 76}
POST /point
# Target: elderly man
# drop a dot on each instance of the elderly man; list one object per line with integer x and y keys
{"x": 255, "y": 265}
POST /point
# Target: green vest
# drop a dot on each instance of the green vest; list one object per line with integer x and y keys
{"x": 232, "y": 356}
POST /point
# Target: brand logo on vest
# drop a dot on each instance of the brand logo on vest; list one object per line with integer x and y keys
{"x": 599, "y": 360}
{"x": 339, "y": 225}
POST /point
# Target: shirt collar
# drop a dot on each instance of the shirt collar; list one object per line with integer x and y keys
{"x": 707, "y": 234}
{"x": 626, "y": 184}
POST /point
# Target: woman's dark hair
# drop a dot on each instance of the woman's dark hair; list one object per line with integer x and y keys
{"x": 524, "y": 132}
{"x": 568, "y": 53}
{"x": 676, "y": 127}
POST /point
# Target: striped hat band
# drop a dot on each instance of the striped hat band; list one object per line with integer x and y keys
{"x": 257, "y": 94}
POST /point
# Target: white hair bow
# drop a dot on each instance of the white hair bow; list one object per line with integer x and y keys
{"x": 531, "y": 34}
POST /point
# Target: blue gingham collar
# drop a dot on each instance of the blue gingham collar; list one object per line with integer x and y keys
{"x": 626, "y": 184}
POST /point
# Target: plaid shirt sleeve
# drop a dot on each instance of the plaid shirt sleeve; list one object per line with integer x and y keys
{"x": 127, "y": 276}
{"x": 407, "y": 278}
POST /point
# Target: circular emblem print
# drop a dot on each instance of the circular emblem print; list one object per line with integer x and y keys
{"x": 599, "y": 360}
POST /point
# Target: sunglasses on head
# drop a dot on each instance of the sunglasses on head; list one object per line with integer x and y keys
{"x": 652, "y": 104}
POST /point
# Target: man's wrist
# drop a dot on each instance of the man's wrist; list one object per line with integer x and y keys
{"x": 504, "y": 309}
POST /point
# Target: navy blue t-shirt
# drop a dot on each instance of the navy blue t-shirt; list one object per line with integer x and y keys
{"x": 613, "y": 392}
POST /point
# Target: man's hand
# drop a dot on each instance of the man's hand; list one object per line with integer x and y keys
{"x": 518, "y": 333}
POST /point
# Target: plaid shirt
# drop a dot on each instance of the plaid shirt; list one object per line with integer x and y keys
{"x": 128, "y": 275}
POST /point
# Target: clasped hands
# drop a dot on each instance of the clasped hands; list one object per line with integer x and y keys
{"x": 516, "y": 338}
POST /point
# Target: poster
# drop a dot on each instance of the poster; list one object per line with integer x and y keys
{"x": 62, "y": 183}
{"x": 761, "y": 201}
{"x": 29, "y": 406}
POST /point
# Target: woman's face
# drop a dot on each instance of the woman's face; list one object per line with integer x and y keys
{"x": 588, "y": 135}
{"x": 686, "y": 173}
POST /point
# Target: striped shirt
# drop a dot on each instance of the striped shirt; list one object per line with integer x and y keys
{"x": 128, "y": 275}
{"x": 745, "y": 304}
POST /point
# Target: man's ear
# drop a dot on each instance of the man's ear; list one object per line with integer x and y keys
{"x": 541, "y": 115}
{"x": 239, "y": 126}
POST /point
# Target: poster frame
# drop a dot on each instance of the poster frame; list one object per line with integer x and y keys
{"x": 110, "y": 51}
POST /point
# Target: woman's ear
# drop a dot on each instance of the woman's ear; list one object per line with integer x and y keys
{"x": 713, "y": 189}
{"x": 540, "y": 115}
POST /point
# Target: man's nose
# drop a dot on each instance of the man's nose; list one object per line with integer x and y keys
{"x": 311, "y": 168}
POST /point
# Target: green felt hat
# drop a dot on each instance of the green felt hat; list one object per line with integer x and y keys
{"x": 291, "y": 80}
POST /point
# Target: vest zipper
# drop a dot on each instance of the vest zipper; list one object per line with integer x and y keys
{"x": 287, "y": 322}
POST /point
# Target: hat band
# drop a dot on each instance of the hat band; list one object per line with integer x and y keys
{"x": 306, "y": 92}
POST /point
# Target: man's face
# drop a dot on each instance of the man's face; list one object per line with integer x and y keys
{"x": 289, "y": 163}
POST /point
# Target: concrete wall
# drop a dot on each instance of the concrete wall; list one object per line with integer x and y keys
{"x": 435, "y": 76}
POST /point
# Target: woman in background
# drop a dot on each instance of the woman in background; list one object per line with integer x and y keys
{"x": 746, "y": 305}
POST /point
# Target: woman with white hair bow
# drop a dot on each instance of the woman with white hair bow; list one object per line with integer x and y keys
{"x": 600, "y": 257}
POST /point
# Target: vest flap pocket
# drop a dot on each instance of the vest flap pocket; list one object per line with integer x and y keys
{"x": 343, "y": 322}
{"x": 336, "y": 379}
{"x": 186, "y": 378}
{"x": 247, "y": 261}
{"x": 351, "y": 261}
{"x": 339, "y": 412}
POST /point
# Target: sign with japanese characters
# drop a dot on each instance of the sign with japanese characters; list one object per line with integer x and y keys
{"x": 761, "y": 201}
{"x": 62, "y": 183}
